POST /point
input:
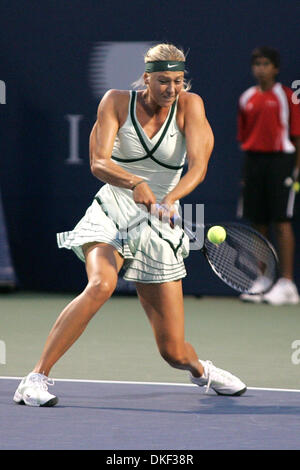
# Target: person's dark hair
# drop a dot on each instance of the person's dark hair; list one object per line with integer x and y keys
{"x": 268, "y": 52}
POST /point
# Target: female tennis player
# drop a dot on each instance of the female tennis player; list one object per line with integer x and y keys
{"x": 137, "y": 147}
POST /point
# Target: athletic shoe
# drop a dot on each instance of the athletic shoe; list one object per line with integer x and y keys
{"x": 33, "y": 391}
{"x": 221, "y": 381}
{"x": 261, "y": 284}
{"x": 283, "y": 293}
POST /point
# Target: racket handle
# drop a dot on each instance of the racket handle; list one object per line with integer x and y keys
{"x": 175, "y": 219}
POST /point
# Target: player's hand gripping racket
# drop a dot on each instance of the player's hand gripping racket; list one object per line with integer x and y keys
{"x": 245, "y": 260}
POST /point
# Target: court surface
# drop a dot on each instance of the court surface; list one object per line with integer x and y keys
{"x": 115, "y": 392}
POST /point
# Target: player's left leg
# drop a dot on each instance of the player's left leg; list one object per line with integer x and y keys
{"x": 163, "y": 304}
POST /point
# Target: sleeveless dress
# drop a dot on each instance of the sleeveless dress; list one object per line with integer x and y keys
{"x": 153, "y": 251}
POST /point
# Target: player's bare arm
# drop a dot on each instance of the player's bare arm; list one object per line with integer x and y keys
{"x": 199, "y": 146}
{"x": 101, "y": 145}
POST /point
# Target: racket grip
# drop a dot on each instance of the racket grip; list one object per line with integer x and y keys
{"x": 175, "y": 219}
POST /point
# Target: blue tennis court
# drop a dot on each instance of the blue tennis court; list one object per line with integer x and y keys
{"x": 118, "y": 415}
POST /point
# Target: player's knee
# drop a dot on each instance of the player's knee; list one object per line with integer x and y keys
{"x": 100, "y": 289}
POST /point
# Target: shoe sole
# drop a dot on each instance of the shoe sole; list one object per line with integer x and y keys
{"x": 49, "y": 403}
{"x": 236, "y": 394}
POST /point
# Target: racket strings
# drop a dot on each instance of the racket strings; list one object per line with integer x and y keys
{"x": 245, "y": 261}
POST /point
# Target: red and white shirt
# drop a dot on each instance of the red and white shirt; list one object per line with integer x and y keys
{"x": 268, "y": 119}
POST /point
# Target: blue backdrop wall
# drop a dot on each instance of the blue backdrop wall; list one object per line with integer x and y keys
{"x": 57, "y": 60}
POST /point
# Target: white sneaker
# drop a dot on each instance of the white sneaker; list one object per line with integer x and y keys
{"x": 221, "y": 381}
{"x": 283, "y": 293}
{"x": 262, "y": 283}
{"x": 33, "y": 391}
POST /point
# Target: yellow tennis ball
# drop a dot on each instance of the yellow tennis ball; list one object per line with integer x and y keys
{"x": 296, "y": 186}
{"x": 216, "y": 234}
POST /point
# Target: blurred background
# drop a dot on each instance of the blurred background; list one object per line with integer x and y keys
{"x": 57, "y": 59}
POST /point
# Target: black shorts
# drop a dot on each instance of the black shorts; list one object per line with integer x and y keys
{"x": 267, "y": 192}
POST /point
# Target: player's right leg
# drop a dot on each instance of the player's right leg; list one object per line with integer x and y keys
{"x": 103, "y": 264}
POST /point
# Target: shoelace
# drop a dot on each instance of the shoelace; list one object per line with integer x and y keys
{"x": 209, "y": 378}
{"x": 42, "y": 381}
{"x": 209, "y": 371}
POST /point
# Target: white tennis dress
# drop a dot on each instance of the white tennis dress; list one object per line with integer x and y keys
{"x": 153, "y": 252}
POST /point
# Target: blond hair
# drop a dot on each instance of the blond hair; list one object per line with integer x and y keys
{"x": 163, "y": 51}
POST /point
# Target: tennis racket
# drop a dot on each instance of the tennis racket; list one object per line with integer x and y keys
{"x": 245, "y": 261}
